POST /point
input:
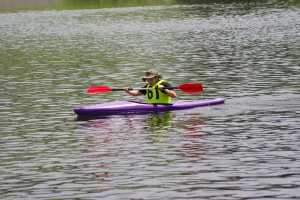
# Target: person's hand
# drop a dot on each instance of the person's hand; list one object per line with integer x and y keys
{"x": 126, "y": 89}
{"x": 160, "y": 87}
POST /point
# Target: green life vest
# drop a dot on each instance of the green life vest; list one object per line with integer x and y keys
{"x": 157, "y": 96}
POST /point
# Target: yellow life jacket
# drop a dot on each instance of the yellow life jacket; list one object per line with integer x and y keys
{"x": 157, "y": 96}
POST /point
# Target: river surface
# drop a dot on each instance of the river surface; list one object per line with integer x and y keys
{"x": 247, "y": 148}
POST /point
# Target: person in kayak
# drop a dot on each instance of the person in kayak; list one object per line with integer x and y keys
{"x": 160, "y": 94}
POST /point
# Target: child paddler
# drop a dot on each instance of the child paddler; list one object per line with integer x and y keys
{"x": 158, "y": 95}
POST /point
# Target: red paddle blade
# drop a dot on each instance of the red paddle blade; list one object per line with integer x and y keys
{"x": 191, "y": 87}
{"x": 96, "y": 89}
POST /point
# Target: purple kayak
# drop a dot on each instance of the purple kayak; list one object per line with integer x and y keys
{"x": 129, "y": 106}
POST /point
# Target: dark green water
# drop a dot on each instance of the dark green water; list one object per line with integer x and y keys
{"x": 247, "y": 148}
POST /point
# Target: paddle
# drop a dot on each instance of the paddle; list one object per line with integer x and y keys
{"x": 186, "y": 87}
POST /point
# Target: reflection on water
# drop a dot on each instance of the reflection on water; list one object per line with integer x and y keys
{"x": 116, "y": 140}
{"x": 154, "y": 123}
{"x": 27, "y": 4}
{"x": 13, "y": 5}
{"x": 19, "y": 5}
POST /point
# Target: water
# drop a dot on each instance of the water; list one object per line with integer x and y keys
{"x": 247, "y": 148}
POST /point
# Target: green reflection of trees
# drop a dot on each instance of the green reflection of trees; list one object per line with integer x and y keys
{"x": 126, "y": 3}
{"x": 69, "y": 4}
{"x": 15, "y": 5}
{"x": 293, "y": 2}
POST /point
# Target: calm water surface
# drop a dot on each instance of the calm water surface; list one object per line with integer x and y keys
{"x": 247, "y": 148}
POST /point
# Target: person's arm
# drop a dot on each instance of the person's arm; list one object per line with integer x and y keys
{"x": 169, "y": 92}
